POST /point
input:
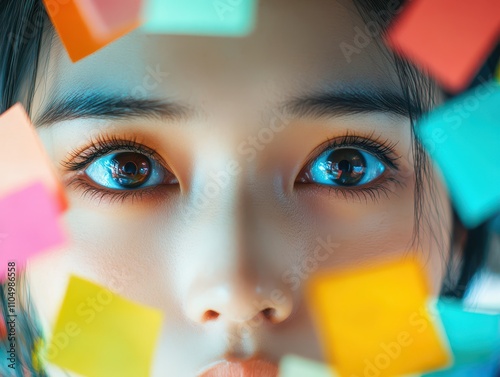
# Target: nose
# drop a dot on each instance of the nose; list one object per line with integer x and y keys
{"x": 238, "y": 272}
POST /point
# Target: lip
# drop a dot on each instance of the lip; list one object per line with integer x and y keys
{"x": 247, "y": 368}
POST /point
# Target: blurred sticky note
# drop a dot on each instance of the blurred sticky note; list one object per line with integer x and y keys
{"x": 22, "y": 157}
{"x": 294, "y": 366}
{"x": 75, "y": 25}
{"x": 484, "y": 369}
{"x": 462, "y": 137}
{"x": 111, "y": 15}
{"x": 100, "y": 334}
{"x": 473, "y": 337}
{"x": 373, "y": 320}
{"x": 449, "y": 38}
{"x": 29, "y": 224}
{"x": 200, "y": 17}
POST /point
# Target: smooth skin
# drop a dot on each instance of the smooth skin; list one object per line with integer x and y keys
{"x": 219, "y": 259}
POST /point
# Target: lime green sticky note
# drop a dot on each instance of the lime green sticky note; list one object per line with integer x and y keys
{"x": 200, "y": 17}
{"x": 463, "y": 139}
{"x": 294, "y": 366}
{"x": 100, "y": 334}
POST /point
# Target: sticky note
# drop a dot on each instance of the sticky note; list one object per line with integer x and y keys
{"x": 200, "y": 17}
{"x": 100, "y": 334}
{"x": 462, "y": 137}
{"x": 484, "y": 369}
{"x": 22, "y": 155}
{"x": 29, "y": 224}
{"x": 449, "y": 38}
{"x": 473, "y": 337}
{"x": 75, "y": 25}
{"x": 373, "y": 320}
{"x": 295, "y": 366}
{"x": 106, "y": 17}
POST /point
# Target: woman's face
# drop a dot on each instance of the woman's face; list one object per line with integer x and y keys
{"x": 210, "y": 177}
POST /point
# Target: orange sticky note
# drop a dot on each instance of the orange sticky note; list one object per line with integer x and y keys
{"x": 101, "y": 334}
{"x": 74, "y": 26}
{"x": 22, "y": 156}
{"x": 373, "y": 321}
{"x": 449, "y": 38}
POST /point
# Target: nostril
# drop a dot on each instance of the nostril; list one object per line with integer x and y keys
{"x": 210, "y": 315}
{"x": 269, "y": 314}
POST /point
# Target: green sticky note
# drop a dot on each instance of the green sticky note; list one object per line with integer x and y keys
{"x": 474, "y": 337}
{"x": 200, "y": 17}
{"x": 100, "y": 334}
{"x": 463, "y": 139}
{"x": 294, "y": 366}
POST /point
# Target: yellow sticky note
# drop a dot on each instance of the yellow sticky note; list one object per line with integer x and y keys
{"x": 373, "y": 321}
{"x": 100, "y": 334}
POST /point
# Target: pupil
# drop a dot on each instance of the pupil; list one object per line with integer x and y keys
{"x": 347, "y": 166}
{"x": 130, "y": 169}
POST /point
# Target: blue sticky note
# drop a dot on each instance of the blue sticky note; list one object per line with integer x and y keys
{"x": 294, "y": 366}
{"x": 200, "y": 17}
{"x": 463, "y": 139}
{"x": 473, "y": 337}
{"x": 485, "y": 369}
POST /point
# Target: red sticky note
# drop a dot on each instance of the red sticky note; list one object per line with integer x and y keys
{"x": 22, "y": 157}
{"x": 449, "y": 38}
{"x": 75, "y": 27}
{"x": 28, "y": 225}
{"x": 110, "y": 15}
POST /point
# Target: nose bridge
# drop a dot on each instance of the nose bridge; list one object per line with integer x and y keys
{"x": 237, "y": 280}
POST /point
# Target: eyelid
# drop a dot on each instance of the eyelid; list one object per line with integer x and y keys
{"x": 103, "y": 145}
{"x": 382, "y": 148}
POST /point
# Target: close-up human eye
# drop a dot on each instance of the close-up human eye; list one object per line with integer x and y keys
{"x": 343, "y": 167}
{"x": 127, "y": 170}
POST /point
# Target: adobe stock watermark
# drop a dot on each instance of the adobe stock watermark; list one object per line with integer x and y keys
{"x": 223, "y": 7}
{"x": 250, "y": 147}
{"x": 454, "y": 116}
{"x": 292, "y": 278}
{"x": 372, "y": 30}
{"x": 88, "y": 310}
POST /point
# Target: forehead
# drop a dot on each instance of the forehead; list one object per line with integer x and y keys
{"x": 297, "y": 46}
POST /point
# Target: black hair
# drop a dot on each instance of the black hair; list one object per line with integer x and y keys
{"x": 22, "y": 25}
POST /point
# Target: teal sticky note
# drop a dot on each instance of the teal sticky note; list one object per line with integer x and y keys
{"x": 486, "y": 369}
{"x": 200, "y": 17}
{"x": 463, "y": 139}
{"x": 473, "y": 337}
{"x": 294, "y": 366}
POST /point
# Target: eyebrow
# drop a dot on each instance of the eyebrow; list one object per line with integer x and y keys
{"x": 351, "y": 103}
{"x": 104, "y": 106}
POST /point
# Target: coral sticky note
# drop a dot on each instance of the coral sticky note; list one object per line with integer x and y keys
{"x": 108, "y": 16}
{"x": 449, "y": 38}
{"x": 75, "y": 24}
{"x": 100, "y": 334}
{"x": 200, "y": 17}
{"x": 462, "y": 137}
{"x": 373, "y": 320}
{"x": 22, "y": 156}
{"x": 294, "y": 366}
{"x": 473, "y": 337}
{"x": 29, "y": 224}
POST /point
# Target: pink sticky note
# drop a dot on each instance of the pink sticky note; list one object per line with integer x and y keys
{"x": 109, "y": 16}
{"x": 22, "y": 157}
{"x": 449, "y": 38}
{"x": 28, "y": 225}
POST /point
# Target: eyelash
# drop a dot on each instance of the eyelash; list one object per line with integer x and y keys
{"x": 383, "y": 149}
{"x": 102, "y": 145}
